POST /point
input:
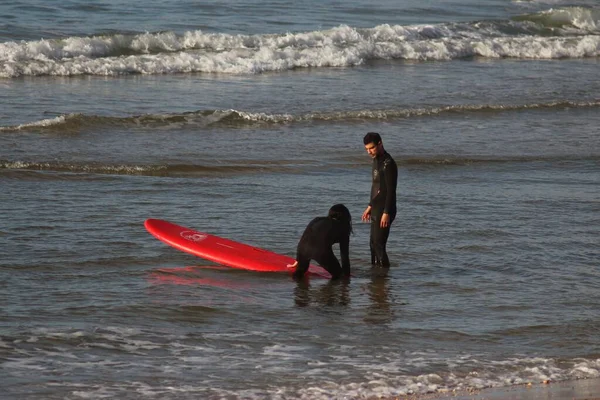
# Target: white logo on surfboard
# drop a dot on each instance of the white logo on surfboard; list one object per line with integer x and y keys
{"x": 193, "y": 236}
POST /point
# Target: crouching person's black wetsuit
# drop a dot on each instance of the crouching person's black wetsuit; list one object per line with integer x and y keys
{"x": 317, "y": 241}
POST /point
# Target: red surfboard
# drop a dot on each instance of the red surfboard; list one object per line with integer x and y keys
{"x": 223, "y": 251}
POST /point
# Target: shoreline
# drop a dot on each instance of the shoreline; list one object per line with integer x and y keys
{"x": 580, "y": 389}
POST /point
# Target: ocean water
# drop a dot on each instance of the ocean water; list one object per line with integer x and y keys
{"x": 246, "y": 120}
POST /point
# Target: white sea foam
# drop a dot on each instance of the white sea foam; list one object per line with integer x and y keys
{"x": 241, "y": 61}
{"x": 42, "y": 123}
{"x": 581, "y": 18}
{"x": 356, "y": 376}
{"x": 287, "y": 352}
{"x": 344, "y": 46}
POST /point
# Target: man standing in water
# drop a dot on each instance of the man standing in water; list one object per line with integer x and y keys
{"x": 382, "y": 206}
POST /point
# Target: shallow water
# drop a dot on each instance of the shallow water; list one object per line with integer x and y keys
{"x": 491, "y": 113}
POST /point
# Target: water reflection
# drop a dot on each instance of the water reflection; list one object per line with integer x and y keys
{"x": 189, "y": 276}
{"x": 332, "y": 293}
{"x": 379, "y": 310}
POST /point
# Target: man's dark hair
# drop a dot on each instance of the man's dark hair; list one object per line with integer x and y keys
{"x": 372, "y": 137}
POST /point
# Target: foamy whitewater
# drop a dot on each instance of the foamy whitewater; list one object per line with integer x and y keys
{"x": 246, "y": 121}
{"x": 557, "y": 33}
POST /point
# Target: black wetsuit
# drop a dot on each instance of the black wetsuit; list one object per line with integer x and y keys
{"x": 316, "y": 244}
{"x": 383, "y": 200}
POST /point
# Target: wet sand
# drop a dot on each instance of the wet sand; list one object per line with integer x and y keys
{"x": 584, "y": 389}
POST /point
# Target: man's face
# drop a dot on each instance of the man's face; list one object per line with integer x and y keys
{"x": 373, "y": 149}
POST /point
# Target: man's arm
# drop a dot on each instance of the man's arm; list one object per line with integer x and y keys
{"x": 390, "y": 172}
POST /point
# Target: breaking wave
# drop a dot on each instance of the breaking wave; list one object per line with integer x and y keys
{"x": 570, "y": 32}
{"x": 250, "y": 167}
{"x": 72, "y": 123}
